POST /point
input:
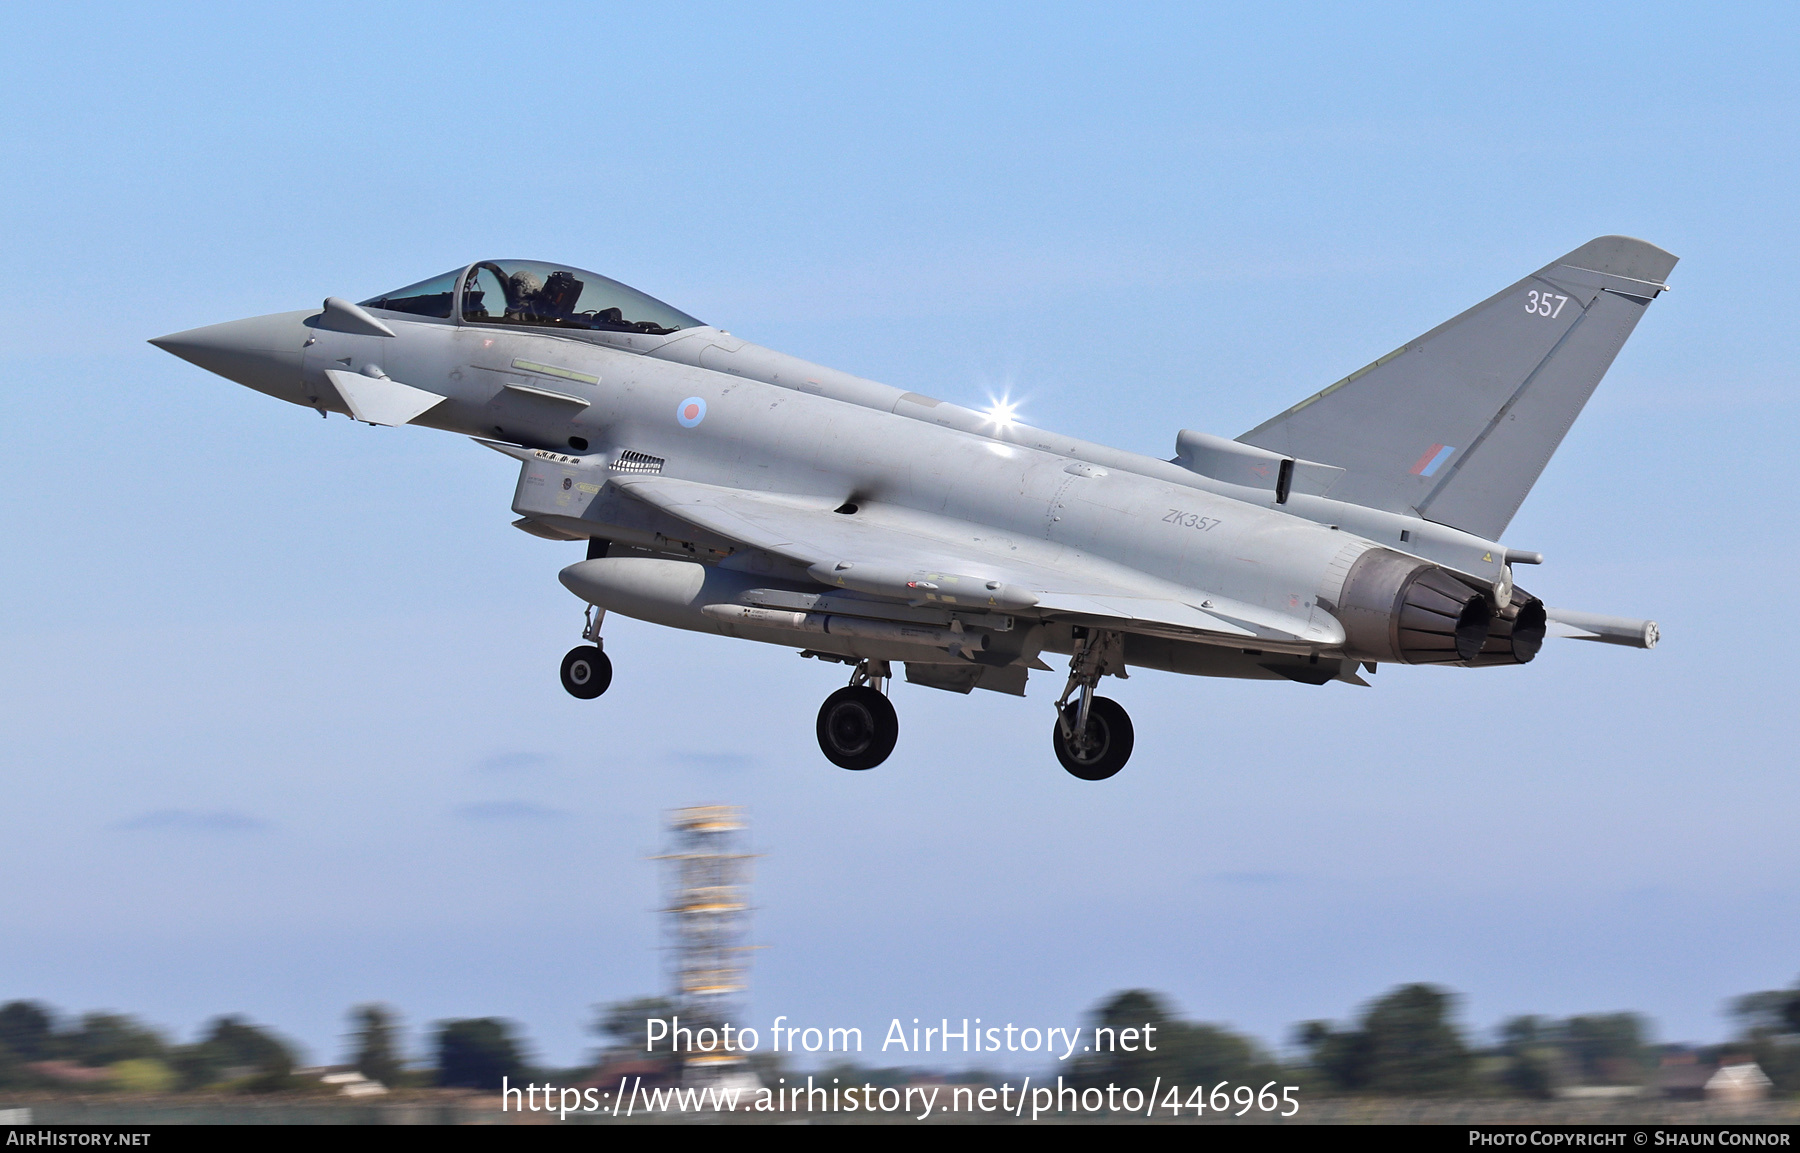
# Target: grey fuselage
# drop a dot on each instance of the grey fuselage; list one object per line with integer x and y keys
{"x": 772, "y": 423}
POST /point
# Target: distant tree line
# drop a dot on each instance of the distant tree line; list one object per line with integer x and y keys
{"x": 110, "y": 1051}
{"x": 1541, "y": 1054}
{"x": 1770, "y": 1029}
{"x": 38, "y": 1049}
{"x": 1406, "y": 1042}
{"x": 1186, "y": 1053}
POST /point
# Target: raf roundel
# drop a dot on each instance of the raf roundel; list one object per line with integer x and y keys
{"x": 691, "y": 411}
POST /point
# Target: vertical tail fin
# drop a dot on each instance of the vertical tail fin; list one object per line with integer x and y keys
{"x": 1456, "y": 425}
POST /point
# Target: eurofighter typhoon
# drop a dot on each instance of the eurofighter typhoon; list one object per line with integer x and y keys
{"x": 727, "y": 488}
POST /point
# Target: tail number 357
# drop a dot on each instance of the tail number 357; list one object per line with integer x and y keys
{"x": 1544, "y": 303}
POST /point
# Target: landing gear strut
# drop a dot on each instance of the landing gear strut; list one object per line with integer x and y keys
{"x": 857, "y": 726}
{"x": 586, "y": 671}
{"x": 1093, "y": 735}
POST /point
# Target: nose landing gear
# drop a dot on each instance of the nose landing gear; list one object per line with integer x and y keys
{"x": 1093, "y": 735}
{"x": 586, "y": 671}
{"x": 857, "y": 725}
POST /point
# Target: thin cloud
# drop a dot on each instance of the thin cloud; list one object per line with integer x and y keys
{"x": 193, "y": 821}
{"x": 499, "y": 812}
{"x": 513, "y": 762}
{"x": 695, "y": 760}
{"x": 1255, "y": 878}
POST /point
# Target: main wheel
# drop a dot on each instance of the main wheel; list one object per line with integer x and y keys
{"x": 857, "y": 728}
{"x": 586, "y": 672}
{"x": 1101, "y": 751}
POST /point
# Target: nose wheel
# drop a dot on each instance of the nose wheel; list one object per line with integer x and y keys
{"x": 857, "y": 724}
{"x": 586, "y": 672}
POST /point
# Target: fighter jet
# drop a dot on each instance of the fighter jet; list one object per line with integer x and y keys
{"x": 726, "y": 488}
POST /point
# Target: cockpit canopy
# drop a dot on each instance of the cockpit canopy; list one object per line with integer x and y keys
{"x": 537, "y": 295}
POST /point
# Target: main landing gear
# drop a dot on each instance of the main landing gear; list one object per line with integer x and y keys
{"x": 586, "y": 671}
{"x": 857, "y": 725}
{"x": 1093, "y": 735}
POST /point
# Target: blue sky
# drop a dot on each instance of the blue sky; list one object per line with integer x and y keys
{"x": 279, "y": 722}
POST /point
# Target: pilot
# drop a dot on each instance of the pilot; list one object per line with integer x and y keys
{"x": 522, "y": 289}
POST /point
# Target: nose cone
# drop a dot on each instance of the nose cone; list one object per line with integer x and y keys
{"x": 262, "y": 352}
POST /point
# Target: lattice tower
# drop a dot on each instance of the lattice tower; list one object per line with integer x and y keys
{"x": 707, "y": 918}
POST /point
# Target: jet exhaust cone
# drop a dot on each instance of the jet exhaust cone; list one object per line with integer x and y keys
{"x": 1398, "y": 608}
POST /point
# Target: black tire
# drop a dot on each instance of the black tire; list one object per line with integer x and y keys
{"x": 857, "y": 728}
{"x": 586, "y": 672}
{"x": 1109, "y": 741}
